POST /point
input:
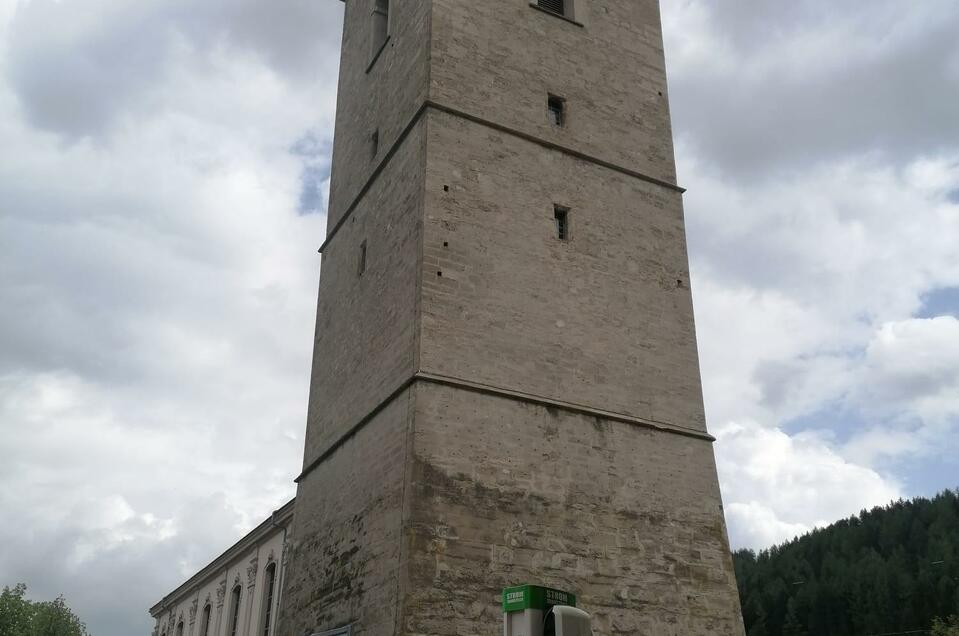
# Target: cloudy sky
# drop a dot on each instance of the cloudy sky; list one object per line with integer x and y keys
{"x": 163, "y": 177}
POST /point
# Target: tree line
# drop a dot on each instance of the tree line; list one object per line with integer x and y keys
{"x": 893, "y": 569}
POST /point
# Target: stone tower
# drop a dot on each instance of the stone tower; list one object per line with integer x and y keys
{"x": 505, "y": 384}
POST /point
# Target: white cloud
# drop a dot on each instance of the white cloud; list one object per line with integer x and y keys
{"x": 752, "y": 524}
{"x": 909, "y": 382}
{"x": 871, "y": 446}
{"x": 912, "y": 367}
{"x": 793, "y": 278}
{"x": 778, "y": 486}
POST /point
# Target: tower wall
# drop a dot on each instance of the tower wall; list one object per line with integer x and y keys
{"x": 492, "y": 404}
{"x": 602, "y": 320}
{"x": 382, "y": 95}
{"x": 497, "y": 59}
{"x": 505, "y": 491}
{"x": 348, "y": 538}
{"x": 365, "y": 342}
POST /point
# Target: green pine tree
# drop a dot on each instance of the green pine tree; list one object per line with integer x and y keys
{"x": 793, "y": 626}
{"x": 890, "y": 569}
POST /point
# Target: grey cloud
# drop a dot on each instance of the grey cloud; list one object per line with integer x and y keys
{"x": 297, "y": 37}
{"x": 765, "y": 111}
{"x": 898, "y": 376}
{"x": 78, "y": 296}
{"x": 77, "y": 67}
{"x": 779, "y": 380}
{"x": 110, "y": 583}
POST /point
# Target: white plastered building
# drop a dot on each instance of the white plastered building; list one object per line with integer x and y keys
{"x": 238, "y": 593}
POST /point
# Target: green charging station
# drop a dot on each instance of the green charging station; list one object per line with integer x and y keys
{"x": 533, "y": 610}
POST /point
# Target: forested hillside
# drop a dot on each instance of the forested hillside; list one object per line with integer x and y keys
{"x": 887, "y": 570}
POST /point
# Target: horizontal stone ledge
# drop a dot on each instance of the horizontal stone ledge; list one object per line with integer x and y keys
{"x": 438, "y": 107}
{"x": 477, "y": 387}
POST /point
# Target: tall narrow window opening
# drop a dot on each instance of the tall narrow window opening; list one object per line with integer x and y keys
{"x": 205, "y": 621}
{"x": 374, "y": 144}
{"x": 561, "y": 215}
{"x": 361, "y": 263}
{"x": 554, "y": 6}
{"x": 556, "y": 108}
{"x": 380, "y": 22}
{"x": 235, "y": 611}
{"x": 268, "y": 598}
{"x": 179, "y": 629}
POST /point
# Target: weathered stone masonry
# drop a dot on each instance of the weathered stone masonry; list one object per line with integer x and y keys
{"x": 491, "y": 405}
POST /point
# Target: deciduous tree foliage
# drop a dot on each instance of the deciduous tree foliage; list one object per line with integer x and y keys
{"x": 20, "y": 616}
{"x": 890, "y": 569}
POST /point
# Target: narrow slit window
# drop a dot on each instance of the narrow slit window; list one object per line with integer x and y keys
{"x": 556, "y": 109}
{"x": 374, "y": 144}
{"x": 380, "y": 24}
{"x": 361, "y": 262}
{"x": 553, "y": 6}
{"x": 561, "y": 215}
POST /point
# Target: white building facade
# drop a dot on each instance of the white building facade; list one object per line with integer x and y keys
{"x": 238, "y": 594}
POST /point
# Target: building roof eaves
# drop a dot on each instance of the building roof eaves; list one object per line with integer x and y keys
{"x": 280, "y": 517}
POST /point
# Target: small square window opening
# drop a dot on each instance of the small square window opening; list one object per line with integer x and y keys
{"x": 561, "y": 215}
{"x": 556, "y": 109}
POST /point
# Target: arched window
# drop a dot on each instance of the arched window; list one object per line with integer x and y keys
{"x": 205, "y": 621}
{"x": 179, "y": 629}
{"x": 235, "y": 611}
{"x": 270, "y": 584}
